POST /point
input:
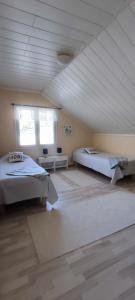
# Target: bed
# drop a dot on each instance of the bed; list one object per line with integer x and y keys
{"x": 115, "y": 167}
{"x": 24, "y": 180}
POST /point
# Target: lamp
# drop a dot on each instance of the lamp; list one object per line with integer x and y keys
{"x": 45, "y": 151}
{"x": 64, "y": 58}
{"x": 59, "y": 150}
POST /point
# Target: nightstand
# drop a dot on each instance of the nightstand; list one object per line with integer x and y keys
{"x": 53, "y": 161}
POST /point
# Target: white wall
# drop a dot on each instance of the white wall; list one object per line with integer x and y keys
{"x": 99, "y": 85}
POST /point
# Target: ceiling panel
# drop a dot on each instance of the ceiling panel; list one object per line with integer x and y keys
{"x": 39, "y": 34}
{"x": 27, "y": 53}
{"x": 51, "y": 13}
{"x": 10, "y": 44}
{"x": 16, "y": 15}
{"x": 113, "y": 7}
{"x": 4, "y": 33}
{"x": 65, "y": 31}
{"x": 53, "y": 45}
{"x": 32, "y": 32}
{"x": 99, "y": 85}
{"x": 122, "y": 40}
{"x": 24, "y": 76}
{"x": 28, "y": 60}
{"x": 79, "y": 9}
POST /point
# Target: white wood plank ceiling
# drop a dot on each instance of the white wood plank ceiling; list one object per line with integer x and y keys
{"x": 33, "y": 31}
{"x": 99, "y": 85}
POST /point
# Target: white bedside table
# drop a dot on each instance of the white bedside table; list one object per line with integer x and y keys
{"x": 53, "y": 161}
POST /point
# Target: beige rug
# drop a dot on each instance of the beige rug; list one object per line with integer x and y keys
{"x": 80, "y": 178}
{"x": 60, "y": 184}
{"x": 58, "y": 232}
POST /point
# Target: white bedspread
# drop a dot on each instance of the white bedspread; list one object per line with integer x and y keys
{"x": 101, "y": 163}
{"x": 24, "y": 180}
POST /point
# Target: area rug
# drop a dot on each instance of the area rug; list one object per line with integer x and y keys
{"x": 61, "y": 231}
{"x": 60, "y": 184}
{"x": 80, "y": 178}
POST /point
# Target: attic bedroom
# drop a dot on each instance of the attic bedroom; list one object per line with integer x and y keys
{"x": 67, "y": 149}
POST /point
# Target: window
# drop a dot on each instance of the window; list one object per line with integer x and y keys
{"x": 35, "y": 126}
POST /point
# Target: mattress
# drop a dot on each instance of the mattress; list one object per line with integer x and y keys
{"x": 23, "y": 187}
{"x": 100, "y": 162}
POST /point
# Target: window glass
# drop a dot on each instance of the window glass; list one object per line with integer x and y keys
{"x": 46, "y": 126}
{"x": 26, "y": 118}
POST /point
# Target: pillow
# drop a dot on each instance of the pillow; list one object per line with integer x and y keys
{"x": 15, "y": 157}
{"x": 83, "y": 149}
{"x": 90, "y": 151}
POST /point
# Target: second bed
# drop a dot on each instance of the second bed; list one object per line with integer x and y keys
{"x": 115, "y": 167}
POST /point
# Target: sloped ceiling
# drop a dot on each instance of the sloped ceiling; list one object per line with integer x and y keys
{"x": 99, "y": 85}
{"x": 33, "y": 31}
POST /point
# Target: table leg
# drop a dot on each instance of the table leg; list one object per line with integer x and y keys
{"x": 43, "y": 201}
{"x": 54, "y": 167}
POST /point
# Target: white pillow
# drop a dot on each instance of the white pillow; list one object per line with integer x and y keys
{"x": 15, "y": 156}
{"x": 88, "y": 150}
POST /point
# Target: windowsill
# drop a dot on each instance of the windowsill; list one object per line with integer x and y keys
{"x": 36, "y": 146}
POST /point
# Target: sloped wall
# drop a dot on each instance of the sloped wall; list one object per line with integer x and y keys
{"x": 99, "y": 85}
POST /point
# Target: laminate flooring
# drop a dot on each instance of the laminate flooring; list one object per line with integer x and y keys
{"x": 104, "y": 270}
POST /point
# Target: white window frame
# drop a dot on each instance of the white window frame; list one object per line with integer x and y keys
{"x": 37, "y": 129}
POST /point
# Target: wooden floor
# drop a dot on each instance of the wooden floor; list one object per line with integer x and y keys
{"x": 101, "y": 271}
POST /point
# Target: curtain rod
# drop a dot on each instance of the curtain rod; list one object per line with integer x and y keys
{"x": 27, "y": 105}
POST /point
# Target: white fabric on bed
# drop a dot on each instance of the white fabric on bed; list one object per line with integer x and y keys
{"x": 101, "y": 163}
{"x": 14, "y": 188}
